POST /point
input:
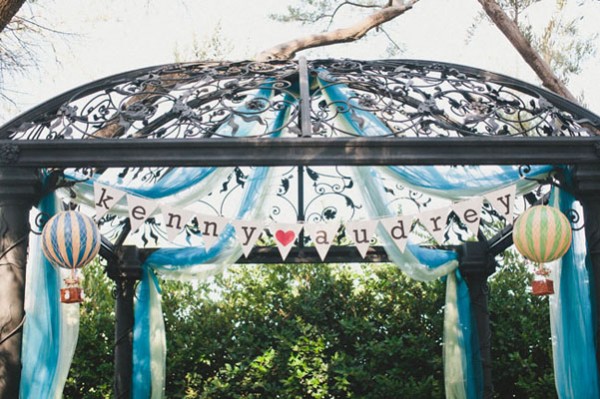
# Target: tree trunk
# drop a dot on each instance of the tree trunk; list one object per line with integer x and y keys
{"x": 512, "y": 32}
{"x": 8, "y": 9}
{"x": 18, "y": 188}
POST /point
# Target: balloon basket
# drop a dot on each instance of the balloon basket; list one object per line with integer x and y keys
{"x": 71, "y": 295}
{"x": 542, "y": 287}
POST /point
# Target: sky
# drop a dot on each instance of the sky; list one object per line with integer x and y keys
{"x": 110, "y": 36}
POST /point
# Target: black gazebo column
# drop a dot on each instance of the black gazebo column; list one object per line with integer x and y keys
{"x": 125, "y": 270}
{"x": 19, "y": 189}
{"x": 586, "y": 182}
{"x": 476, "y": 265}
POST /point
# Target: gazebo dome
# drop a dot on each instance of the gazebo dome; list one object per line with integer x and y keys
{"x": 335, "y": 98}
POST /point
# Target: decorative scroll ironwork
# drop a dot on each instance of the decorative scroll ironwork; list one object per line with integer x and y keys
{"x": 401, "y": 98}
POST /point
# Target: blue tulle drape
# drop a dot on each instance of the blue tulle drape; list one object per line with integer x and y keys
{"x": 51, "y": 328}
{"x": 571, "y": 320}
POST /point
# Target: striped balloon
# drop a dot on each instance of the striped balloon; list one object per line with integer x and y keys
{"x": 70, "y": 240}
{"x": 542, "y": 234}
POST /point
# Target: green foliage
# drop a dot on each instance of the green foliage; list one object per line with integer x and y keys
{"x": 213, "y": 47}
{"x": 521, "y": 344}
{"x": 91, "y": 373}
{"x": 317, "y": 331}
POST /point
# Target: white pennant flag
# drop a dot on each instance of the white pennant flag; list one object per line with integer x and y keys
{"x": 435, "y": 222}
{"x": 175, "y": 220}
{"x": 140, "y": 209}
{"x": 285, "y": 234}
{"x": 248, "y": 232}
{"x": 361, "y": 232}
{"x": 398, "y": 227}
{"x": 322, "y": 235}
{"x": 503, "y": 201}
{"x": 105, "y": 197}
{"x": 211, "y": 228}
{"x": 469, "y": 211}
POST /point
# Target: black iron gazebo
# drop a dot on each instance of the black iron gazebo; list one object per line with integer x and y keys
{"x": 185, "y": 115}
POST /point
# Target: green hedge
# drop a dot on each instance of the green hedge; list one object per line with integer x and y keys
{"x": 318, "y": 331}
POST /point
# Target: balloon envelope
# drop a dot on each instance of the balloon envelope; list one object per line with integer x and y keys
{"x": 70, "y": 240}
{"x": 542, "y": 234}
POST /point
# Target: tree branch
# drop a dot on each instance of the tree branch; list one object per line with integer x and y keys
{"x": 287, "y": 50}
{"x": 8, "y": 9}
{"x": 512, "y": 32}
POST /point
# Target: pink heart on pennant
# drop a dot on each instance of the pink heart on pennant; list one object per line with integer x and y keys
{"x": 285, "y": 237}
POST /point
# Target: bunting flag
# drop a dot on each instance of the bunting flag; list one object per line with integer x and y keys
{"x": 503, "y": 201}
{"x": 247, "y": 233}
{"x": 435, "y": 222}
{"x": 398, "y": 227}
{"x": 361, "y": 232}
{"x": 105, "y": 197}
{"x": 211, "y": 228}
{"x": 469, "y": 211}
{"x": 175, "y": 220}
{"x": 140, "y": 209}
{"x": 285, "y": 234}
{"x": 322, "y": 235}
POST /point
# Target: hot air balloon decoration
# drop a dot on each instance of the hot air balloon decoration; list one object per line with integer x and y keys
{"x": 70, "y": 240}
{"x": 542, "y": 234}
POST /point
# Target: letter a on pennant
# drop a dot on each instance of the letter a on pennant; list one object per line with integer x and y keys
{"x": 248, "y": 232}
{"x": 398, "y": 228}
{"x": 361, "y": 232}
{"x": 105, "y": 197}
{"x": 285, "y": 234}
{"x": 140, "y": 209}
{"x": 322, "y": 236}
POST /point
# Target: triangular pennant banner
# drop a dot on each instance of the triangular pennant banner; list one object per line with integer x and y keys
{"x": 398, "y": 227}
{"x": 469, "y": 211}
{"x": 322, "y": 235}
{"x": 211, "y": 228}
{"x": 140, "y": 209}
{"x": 435, "y": 222}
{"x": 175, "y": 220}
{"x": 361, "y": 232}
{"x": 248, "y": 232}
{"x": 503, "y": 201}
{"x": 105, "y": 197}
{"x": 285, "y": 234}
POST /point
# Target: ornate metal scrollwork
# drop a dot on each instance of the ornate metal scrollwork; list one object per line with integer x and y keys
{"x": 400, "y": 98}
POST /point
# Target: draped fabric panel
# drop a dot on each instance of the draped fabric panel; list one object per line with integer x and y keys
{"x": 183, "y": 263}
{"x": 51, "y": 328}
{"x": 571, "y": 320}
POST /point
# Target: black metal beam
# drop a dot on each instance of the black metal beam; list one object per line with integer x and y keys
{"x": 301, "y": 151}
{"x": 336, "y": 254}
